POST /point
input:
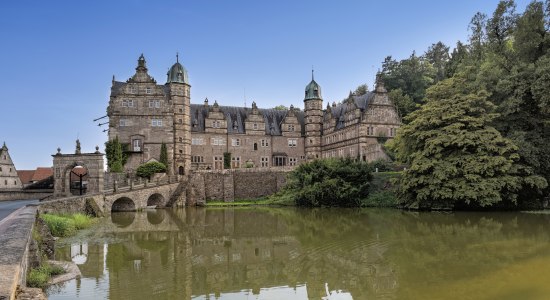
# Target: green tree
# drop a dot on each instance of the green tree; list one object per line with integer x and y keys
{"x": 455, "y": 156}
{"x": 163, "y": 154}
{"x": 330, "y": 182}
{"x": 361, "y": 90}
{"x": 114, "y": 154}
{"x": 280, "y": 107}
{"x": 438, "y": 56}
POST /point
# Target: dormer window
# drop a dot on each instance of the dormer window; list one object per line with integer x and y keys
{"x": 290, "y": 127}
{"x": 255, "y": 126}
{"x": 148, "y": 90}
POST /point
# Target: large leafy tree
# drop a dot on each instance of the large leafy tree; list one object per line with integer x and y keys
{"x": 455, "y": 156}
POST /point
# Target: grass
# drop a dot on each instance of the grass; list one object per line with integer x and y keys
{"x": 278, "y": 199}
{"x": 66, "y": 225}
{"x": 39, "y": 277}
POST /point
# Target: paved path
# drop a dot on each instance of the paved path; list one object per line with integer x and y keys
{"x": 7, "y": 207}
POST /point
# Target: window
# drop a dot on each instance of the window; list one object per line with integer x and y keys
{"x": 216, "y": 124}
{"x": 279, "y": 161}
{"x": 218, "y": 162}
{"x": 292, "y": 142}
{"x": 127, "y": 103}
{"x": 265, "y": 161}
{"x": 291, "y": 127}
{"x": 217, "y": 141}
{"x": 235, "y": 142}
{"x": 392, "y": 131}
{"x": 197, "y": 159}
{"x": 156, "y": 122}
{"x": 154, "y": 103}
{"x": 136, "y": 145}
{"x": 197, "y": 141}
{"x": 124, "y": 122}
{"x": 265, "y": 143}
{"x": 292, "y": 161}
{"x": 255, "y": 126}
{"x": 148, "y": 90}
{"x": 133, "y": 90}
{"x": 370, "y": 130}
{"x": 180, "y": 139}
{"x": 181, "y": 171}
{"x": 255, "y": 148}
{"x": 235, "y": 162}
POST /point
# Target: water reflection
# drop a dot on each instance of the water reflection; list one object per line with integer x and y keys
{"x": 311, "y": 254}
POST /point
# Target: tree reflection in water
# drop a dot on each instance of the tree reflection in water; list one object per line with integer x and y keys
{"x": 313, "y": 254}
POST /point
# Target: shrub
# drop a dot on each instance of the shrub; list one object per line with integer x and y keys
{"x": 330, "y": 182}
{"x": 39, "y": 277}
{"x": 150, "y": 168}
{"x": 59, "y": 226}
{"x": 382, "y": 165}
{"x": 66, "y": 225}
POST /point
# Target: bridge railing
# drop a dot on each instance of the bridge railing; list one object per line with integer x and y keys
{"x": 128, "y": 184}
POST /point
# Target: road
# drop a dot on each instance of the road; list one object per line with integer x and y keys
{"x": 7, "y": 207}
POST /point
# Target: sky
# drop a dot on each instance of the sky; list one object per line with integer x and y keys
{"x": 57, "y": 58}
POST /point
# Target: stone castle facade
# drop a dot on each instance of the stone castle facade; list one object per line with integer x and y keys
{"x": 144, "y": 115}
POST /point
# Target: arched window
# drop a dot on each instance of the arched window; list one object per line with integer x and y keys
{"x": 181, "y": 171}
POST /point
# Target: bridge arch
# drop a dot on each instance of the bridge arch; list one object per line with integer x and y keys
{"x": 157, "y": 200}
{"x": 123, "y": 204}
{"x": 123, "y": 219}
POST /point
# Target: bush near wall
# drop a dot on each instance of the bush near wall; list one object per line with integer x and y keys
{"x": 148, "y": 169}
{"x": 330, "y": 182}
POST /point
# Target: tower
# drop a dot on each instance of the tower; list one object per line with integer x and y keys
{"x": 180, "y": 95}
{"x": 313, "y": 109}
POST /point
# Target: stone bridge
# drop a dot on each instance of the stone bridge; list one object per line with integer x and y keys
{"x": 130, "y": 198}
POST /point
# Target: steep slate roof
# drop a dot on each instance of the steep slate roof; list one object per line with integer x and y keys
{"x": 339, "y": 112}
{"x": 236, "y": 117}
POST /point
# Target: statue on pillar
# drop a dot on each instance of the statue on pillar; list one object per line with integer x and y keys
{"x": 77, "y": 151}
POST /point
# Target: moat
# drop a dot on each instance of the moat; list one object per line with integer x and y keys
{"x": 290, "y": 253}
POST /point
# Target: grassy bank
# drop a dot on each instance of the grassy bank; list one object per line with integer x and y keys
{"x": 66, "y": 225}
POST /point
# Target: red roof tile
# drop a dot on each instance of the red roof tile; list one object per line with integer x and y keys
{"x": 25, "y": 175}
{"x": 42, "y": 173}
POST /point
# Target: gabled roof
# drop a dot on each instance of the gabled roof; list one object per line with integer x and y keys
{"x": 42, "y": 173}
{"x": 339, "y": 112}
{"x": 25, "y": 175}
{"x": 236, "y": 117}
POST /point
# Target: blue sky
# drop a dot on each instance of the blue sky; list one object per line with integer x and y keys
{"x": 57, "y": 58}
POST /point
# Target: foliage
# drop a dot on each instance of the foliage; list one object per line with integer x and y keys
{"x": 115, "y": 156}
{"x": 163, "y": 154}
{"x": 361, "y": 90}
{"x": 146, "y": 170}
{"x": 66, "y": 225}
{"x": 329, "y": 182}
{"x": 453, "y": 152}
{"x": 39, "y": 277}
{"x": 382, "y": 165}
{"x": 280, "y": 107}
{"x": 227, "y": 160}
{"x": 503, "y": 69}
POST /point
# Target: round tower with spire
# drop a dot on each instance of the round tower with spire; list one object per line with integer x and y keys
{"x": 313, "y": 114}
{"x": 180, "y": 94}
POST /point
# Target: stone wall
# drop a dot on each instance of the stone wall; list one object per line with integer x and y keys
{"x": 228, "y": 185}
{"x": 24, "y": 195}
{"x": 15, "y": 238}
{"x": 69, "y": 205}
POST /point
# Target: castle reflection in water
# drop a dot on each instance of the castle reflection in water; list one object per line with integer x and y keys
{"x": 211, "y": 253}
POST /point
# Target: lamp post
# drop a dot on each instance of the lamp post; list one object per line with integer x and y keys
{"x": 79, "y": 167}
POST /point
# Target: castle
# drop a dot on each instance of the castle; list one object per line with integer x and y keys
{"x": 144, "y": 115}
